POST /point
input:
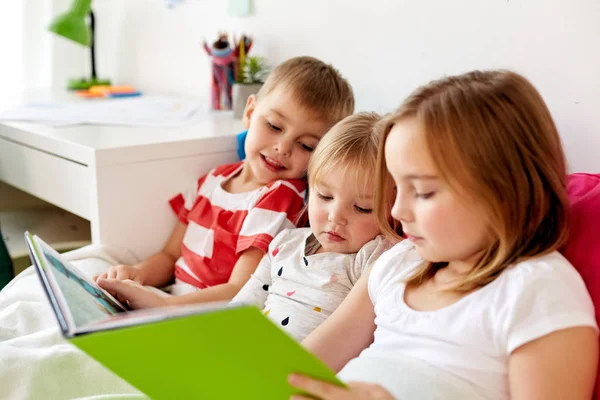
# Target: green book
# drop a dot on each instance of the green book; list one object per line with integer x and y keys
{"x": 214, "y": 351}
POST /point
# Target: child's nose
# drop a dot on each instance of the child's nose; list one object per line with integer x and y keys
{"x": 401, "y": 210}
{"x": 337, "y": 216}
{"x": 283, "y": 147}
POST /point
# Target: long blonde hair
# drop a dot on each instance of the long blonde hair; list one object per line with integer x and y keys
{"x": 491, "y": 135}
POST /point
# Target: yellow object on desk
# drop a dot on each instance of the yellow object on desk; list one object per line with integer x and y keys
{"x": 104, "y": 91}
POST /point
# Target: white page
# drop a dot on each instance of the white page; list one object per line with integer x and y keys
{"x": 145, "y": 111}
{"x": 139, "y": 317}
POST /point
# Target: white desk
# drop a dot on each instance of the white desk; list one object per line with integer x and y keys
{"x": 119, "y": 178}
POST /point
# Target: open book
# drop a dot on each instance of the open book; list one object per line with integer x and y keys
{"x": 214, "y": 351}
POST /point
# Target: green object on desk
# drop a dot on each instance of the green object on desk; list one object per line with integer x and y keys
{"x": 85, "y": 84}
{"x": 72, "y": 25}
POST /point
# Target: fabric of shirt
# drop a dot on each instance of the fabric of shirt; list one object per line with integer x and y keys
{"x": 473, "y": 338}
{"x": 298, "y": 288}
{"x": 408, "y": 379}
{"x": 221, "y": 225}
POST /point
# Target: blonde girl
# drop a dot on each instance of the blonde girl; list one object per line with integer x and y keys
{"x": 477, "y": 302}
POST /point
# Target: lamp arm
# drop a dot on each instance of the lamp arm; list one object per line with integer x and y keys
{"x": 92, "y": 44}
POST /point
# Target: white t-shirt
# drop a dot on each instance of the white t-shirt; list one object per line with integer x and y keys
{"x": 473, "y": 338}
{"x": 298, "y": 288}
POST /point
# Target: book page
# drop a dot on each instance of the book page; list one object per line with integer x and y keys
{"x": 139, "y": 317}
{"x": 87, "y": 303}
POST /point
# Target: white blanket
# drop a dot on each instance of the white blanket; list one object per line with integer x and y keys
{"x": 36, "y": 362}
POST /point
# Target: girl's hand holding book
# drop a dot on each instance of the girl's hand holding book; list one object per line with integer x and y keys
{"x": 132, "y": 293}
{"x": 328, "y": 391}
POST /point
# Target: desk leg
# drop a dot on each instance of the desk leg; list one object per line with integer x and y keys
{"x": 130, "y": 207}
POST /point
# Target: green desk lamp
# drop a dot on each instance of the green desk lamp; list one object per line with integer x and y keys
{"x": 72, "y": 25}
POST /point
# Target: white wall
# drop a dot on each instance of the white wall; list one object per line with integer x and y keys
{"x": 11, "y": 46}
{"x": 31, "y": 57}
{"x": 385, "y": 47}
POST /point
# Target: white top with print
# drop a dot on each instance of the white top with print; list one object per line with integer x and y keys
{"x": 299, "y": 289}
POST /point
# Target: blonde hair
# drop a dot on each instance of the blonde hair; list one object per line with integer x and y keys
{"x": 317, "y": 86}
{"x": 351, "y": 144}
{"x": 492, "y": 136}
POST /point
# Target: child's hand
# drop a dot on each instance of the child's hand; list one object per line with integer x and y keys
{"x": 328, "y": 391}
{"x": 132, "y": 293}
{"x": 121, "y": 272}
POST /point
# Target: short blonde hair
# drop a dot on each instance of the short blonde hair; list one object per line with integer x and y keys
{"x": 352, "y": 142}
{"x": 492, "y": 136}
{"x": 351, "y": 145}
{"x": 317, "y": 86}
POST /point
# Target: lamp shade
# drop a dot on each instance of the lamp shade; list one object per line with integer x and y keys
{"x": 72, "y": 24}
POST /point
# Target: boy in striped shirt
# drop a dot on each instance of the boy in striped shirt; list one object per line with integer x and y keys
{"x": 229, "y": 216}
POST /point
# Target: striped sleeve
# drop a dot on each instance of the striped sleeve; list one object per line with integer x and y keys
{"x": 281, "y": 207}
{"x": 182, "y": 203}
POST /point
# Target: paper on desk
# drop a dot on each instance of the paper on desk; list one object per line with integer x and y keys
{"x": 147, "y": 111}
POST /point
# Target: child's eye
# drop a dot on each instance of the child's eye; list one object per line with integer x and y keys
{"x": 274, "y": 127}
{"x": 306, "y": 147}
{"x": 324, "y": 197}
{"x": 424, "y": 196}
{"x": 363, "y": 210}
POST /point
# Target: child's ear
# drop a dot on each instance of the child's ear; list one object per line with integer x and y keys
{"x": 250, "y": 106}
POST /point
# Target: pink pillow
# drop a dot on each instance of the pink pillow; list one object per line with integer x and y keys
{"x": 583, "y": 246}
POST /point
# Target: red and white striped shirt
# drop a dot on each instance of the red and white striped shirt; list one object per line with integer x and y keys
{"x": 221, "y": 225}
